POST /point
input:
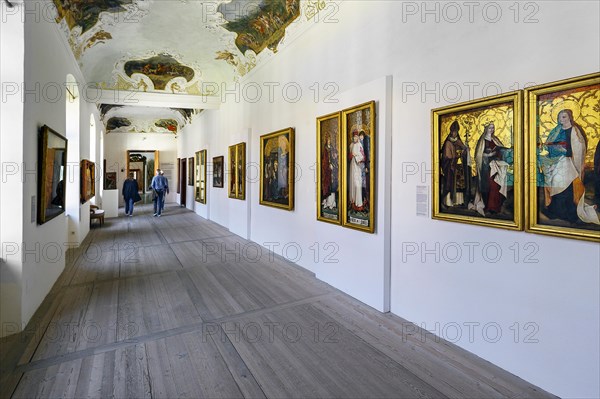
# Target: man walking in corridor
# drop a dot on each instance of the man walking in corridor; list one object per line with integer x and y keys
{"x": 160, "y": 186}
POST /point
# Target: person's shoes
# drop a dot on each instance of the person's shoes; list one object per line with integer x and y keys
{"x": 131, "y": 214}
{"x": 156, "y": 214}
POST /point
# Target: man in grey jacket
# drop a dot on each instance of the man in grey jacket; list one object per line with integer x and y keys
{"x": 162, "y": 173}
{"x": 160, "y": 186}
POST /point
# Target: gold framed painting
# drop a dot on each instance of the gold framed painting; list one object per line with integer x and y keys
{"x": 52, "y": 174}
{"x": 328, "y": 168}
{"x": 191, "y": 171}
{"x": 88, "y": 180}
{"x": 563, "y": 158}
{"x": 200, "y": 186}
{"x": 237, "y": 171}
{"x": 478, "y": 163}
{"x": 277, "y": 169}
{"x": 217, "y": 174}
{"x": 110, "y": 180}
{"x": 358, "y": 167}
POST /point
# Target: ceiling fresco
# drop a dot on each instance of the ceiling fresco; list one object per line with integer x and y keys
{"x": 263, "y": 25}
{"x": 182, "y": 47}
{"x": 160, "y": 70}
{"x": 174, "y": 46}
{"x": 131, "y": 119}
{"x": 85, "y": 14}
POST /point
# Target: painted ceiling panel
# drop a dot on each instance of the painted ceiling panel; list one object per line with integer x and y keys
{"x": 213, "y": 41}
{"x": 132, "y": 119}
{"x": 178, "y": 46}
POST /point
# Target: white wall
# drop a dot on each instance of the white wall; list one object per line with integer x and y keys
{"x": 209, "y": 131}
{"x": 115, "y": 152}
{"x": 11, "y": 158}
{"x": 47, "y": 63}
{"x": 548, "y": 311}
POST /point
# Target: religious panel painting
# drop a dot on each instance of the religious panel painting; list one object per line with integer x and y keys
{"x": 328, "y": 168}
{"x": 110, "y": 180}
{"x": 358, "y": 167}
{"x": 477, "y": 162}
{"x": 88, "y": 180}
{"x": 217, "y": 173}
{"x": 191, "y": 173}
{"x": 241, "y": 170}
{"x": 200, "y": 186}
{"x": 563, "y": 164}
{"x": 277, "y": 169}
{"x": 237, "y": 171}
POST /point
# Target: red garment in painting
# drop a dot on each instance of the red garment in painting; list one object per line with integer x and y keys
{"x": 494, "y": 199}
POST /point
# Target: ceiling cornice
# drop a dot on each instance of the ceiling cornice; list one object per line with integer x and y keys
{"x": 145, "y": 99}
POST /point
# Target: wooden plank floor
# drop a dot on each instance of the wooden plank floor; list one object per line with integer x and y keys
{"x": 170, "y": 307}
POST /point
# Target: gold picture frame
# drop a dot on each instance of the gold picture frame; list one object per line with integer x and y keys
{"x": 359, "y": 143}
{"x": 88, "y": 180}
{"x": 191, "y": 172}
{"x": 478, "y": 162}
{"x": 52, "y": 175}
{"x": 237, "y": 171}
{"x": 218, "y": 171}
{"x": 200, "y": 186}
{"x": 328, "y": 168}
{"x": 277, "y": 169}
{"x": 563, "y": 158}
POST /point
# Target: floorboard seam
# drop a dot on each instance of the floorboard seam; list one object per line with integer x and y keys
{"x": 181, "y": 242}
{"x": 47, "y": 362}
{"x": 147, "y": 373}
{"x": 273, "y": 308}
{"x": 17, "y": 385}
{"x": 109, "y": 280}
{"x": 159, "y": 233}
{"x": 379, "y": 351}
{"x": 39, "y": 342}
{"x": 228, "y": 368}
{"x": 120, "y": 278}
{"x": 196, "y": 239}
{"x": 75, "y": 266}
{"x": 176, "y": 257}
{"x": 67, "y": 357}
{"x": 224, "y": 334}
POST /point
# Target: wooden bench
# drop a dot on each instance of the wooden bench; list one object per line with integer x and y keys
{"x": 96, "y": 213}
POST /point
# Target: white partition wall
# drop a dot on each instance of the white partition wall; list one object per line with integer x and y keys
{"x": 110, "y": 203}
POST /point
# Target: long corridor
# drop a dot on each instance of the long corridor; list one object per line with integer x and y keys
{"x": 178, "y": 306}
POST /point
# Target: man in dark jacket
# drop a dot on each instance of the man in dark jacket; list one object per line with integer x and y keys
{"x": 130, "y": 194}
